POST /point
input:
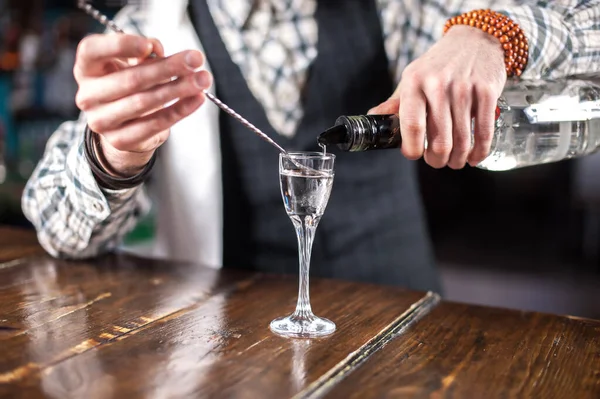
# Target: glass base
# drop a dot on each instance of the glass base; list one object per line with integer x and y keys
{"x": 302, "y": 327}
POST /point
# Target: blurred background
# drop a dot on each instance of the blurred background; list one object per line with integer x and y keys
{"x": 526, "y": 239}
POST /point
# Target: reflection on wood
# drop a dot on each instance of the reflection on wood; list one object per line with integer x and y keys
{"x": 65, "y": 309}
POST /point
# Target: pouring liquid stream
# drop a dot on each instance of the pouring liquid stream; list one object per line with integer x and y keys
{"x": 324, "y": 147}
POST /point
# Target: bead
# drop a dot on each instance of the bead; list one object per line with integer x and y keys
{"x": 514, "y": 43}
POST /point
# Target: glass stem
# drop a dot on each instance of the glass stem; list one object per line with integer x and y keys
{"x": 305, "y": 231}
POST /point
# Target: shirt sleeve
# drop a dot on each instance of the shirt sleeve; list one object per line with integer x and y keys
{"x": 563, "y": 35}
{"x": 73, "y": 216}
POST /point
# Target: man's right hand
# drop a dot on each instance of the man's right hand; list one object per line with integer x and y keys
{"x": 124, "y": 95}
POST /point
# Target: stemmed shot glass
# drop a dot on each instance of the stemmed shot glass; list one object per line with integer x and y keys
{"x": 305, "y": 179}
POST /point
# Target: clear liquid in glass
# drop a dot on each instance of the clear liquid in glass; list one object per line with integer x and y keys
{"x": 305, "y": 194}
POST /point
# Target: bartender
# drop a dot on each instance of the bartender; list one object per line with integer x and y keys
{"x": 147, "y": 134}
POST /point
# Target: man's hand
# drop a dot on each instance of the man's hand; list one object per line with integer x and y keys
{"x": 125, "y": 95}
{"x": 461, "y": 77}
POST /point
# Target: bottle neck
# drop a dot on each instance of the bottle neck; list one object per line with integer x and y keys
{"x": 363, "y": 133}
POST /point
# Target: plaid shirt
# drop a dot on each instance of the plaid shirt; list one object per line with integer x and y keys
{"x": 76, "y": 218}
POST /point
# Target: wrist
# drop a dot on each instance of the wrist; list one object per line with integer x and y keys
{"x": 116, "y": 178}
{"x": 119, "y": 164}
{"x": 492, "y": 47}
{"x": 513, "y": 41}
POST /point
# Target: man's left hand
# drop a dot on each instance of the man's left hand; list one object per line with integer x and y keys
{"x": 461, "y": 77}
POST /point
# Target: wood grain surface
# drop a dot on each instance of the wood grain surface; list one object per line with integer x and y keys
{"x": 465, "y": 351}
{"x": 144, "y": 328}
{"x": 121, "y": 326}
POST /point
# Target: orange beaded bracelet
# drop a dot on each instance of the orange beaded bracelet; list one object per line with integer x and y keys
{"x": 514, "y": 42}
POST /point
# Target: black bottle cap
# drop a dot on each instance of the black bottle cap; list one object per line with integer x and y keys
{"x": 335, "y": 135}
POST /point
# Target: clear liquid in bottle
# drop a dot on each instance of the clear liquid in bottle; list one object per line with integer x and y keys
{"x": 545, "y": 124}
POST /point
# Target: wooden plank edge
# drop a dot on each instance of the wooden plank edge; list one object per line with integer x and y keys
{"x": 335, "y": 375}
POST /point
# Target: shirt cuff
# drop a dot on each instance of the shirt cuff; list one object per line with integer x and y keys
{"x": 87, "y": 196}
{"x": 550, "y": 45}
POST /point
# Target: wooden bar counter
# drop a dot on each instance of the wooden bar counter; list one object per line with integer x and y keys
{"x": 17, "y": 243}
{"x": 126, "y": 327}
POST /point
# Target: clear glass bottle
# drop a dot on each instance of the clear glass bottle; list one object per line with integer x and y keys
{"x": 536, "y": 123}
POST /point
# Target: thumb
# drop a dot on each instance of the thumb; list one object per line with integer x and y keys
{"x": 389, "y": 106}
